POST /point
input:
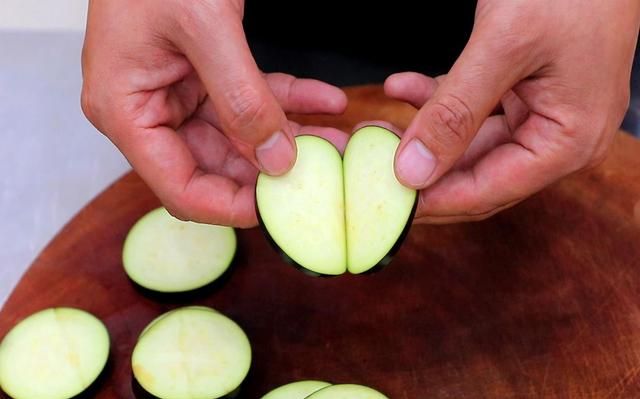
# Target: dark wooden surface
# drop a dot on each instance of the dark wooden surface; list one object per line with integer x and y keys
{"x": 541, "y": 301}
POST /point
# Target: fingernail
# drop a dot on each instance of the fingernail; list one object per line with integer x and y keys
{"x": 415, "y": 164}
{"x": 275, "y": 155}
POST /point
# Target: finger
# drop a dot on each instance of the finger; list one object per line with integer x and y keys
{"x": 171, "y": 105}
{"x": 165, "y": 163}
{"x": 207, "y": 113}
{"x": 515, "y": 110}
{"x": 443, "y": 128}
{"x": 463, "y": 218}
{"x": 416, "y": 89}
{"x": 494, "y": 132}
{"x": 541, "y": 152}
{"x": 336, "y": 137}
{"x": 215, "y": 154}
{"x": 306, "y": 96}
{"x": 213, "y": 39}
{"x": 410, "y": 87}
{"x": 440, "y": 78}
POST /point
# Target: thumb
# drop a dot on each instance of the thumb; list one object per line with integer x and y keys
{"x": 444, "y": 127}
{"x": 247, "y": 111}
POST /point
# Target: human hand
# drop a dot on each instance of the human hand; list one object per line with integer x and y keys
{"x": 560, "y": 70}
{"x": 174, "y": 86}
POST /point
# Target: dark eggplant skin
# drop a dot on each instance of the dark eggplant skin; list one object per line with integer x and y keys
{"x": 140, "y": 393}
{"x": 92, "y": 390}
{"x": 198, "y": 294}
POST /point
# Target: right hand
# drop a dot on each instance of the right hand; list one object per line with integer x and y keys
{"x": 174, "y": 86}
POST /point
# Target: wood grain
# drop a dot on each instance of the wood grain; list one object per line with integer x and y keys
{"x": 540, "y": 301}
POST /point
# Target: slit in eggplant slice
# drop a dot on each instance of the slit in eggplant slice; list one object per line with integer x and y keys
{"x": 61, "y": 353}
{"x": 327, "y": 202}
{"x": 193, "y": 351}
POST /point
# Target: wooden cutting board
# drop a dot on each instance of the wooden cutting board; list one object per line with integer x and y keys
{"x": 540, "y": 301}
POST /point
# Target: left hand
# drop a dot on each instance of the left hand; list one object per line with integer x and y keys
{"x": 560, "y": 69}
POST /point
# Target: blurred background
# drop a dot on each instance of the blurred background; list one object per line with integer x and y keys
{"x": 53, "y": 161}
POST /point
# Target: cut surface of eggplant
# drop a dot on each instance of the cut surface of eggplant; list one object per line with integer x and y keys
{"x": 303, "y": 210}
{"x": 164, "y": 254}
{"x": 347, "y": 391}
{"x": 377, "y": 206}
{"x": 56, "y": 353}
{"x": 162, "y": 316}
{"x": 296, "y": 390}
{"x": 191, "y": 353}
{"x": 331, "y": 215}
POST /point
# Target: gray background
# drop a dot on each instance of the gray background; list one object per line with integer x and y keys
{"x": 52, "y": 160}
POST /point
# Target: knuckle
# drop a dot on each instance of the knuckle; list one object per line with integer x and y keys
{"x": 570, "y": 130}
{"x": 597, "y": 158}
{"x": 600, "y": 150}
{"x": 622, "y": 103}
{"x": 624, "y": 97}
{"x": 591, "y": 141}
{"x": 193, "y": 17}
{"x": 515, "y": 43}
{"x": 177, "y": 204}
{"x": 246, "y": 108}
{"x": 574, "y": 125}
{"x": 503, "y": 33}
{"x": 481, "y": 217}
{"x": 481, "y": 211}
{"x": 176, "y": 211}
{"x": 451, "y": 121}
{"x": 95, "y": 108}
{"x": 87, "y": 103}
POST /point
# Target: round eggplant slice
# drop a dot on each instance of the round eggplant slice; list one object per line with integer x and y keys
{"x": 302, "y": 211}
{"x": 378, "y": 208}
{"x": 56, "y": 353}
{"x": 347, "y": 391}
{"x": 164, "y": 254}
{"x": 191, "y": 353}
{"x": 296, "y": 390}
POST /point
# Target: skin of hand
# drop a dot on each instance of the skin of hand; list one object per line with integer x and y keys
{"x": 174, "y": 86}
{"x": 558, "y": 71}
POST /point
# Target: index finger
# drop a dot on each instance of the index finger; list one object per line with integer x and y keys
{"x": 211, "y": 35}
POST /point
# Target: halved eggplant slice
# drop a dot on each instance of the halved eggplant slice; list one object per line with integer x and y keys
{"x": 296, "y": 390}
{"x": 303, "y": 210}
{"x": 331, "y": 216}
{"x": 56, "y": 353}
{"x": 378, "y": 208}
{"x": 164, "y": 254}
{"x": 347, "y": 391}
{"x": 191, "y": 353}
